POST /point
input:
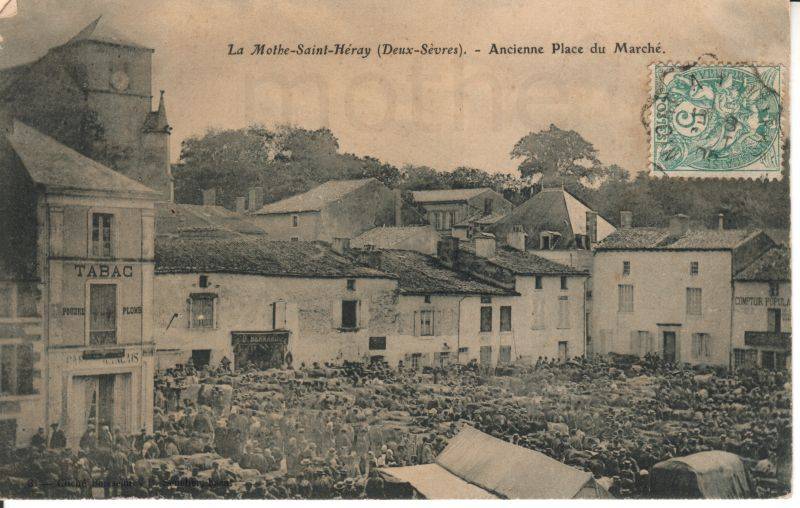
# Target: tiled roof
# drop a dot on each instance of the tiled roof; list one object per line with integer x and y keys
{"x": 58, "y": 167}
{"x": 255, "y": 255}
{"x": 315, "y": 199}
{"x": 386, "y": 236}
{"x": 198, "y": 221}
{"x": 526, "y": 263}
{"x": 773, "y": 265}
{"x": 432, "y": 196}
{"x": 421, "y": 274}
{"x": 660, "y": 239}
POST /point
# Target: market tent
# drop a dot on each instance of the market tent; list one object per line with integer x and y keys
{"x": 496, "y": 468}
{"x": 706, "y": 475}
{"x": 432, "y": 481}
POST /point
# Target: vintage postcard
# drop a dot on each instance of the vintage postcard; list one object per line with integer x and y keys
{"x": 326, "y": 250}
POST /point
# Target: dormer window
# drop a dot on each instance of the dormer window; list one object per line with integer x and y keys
{"x": 549, "y": 240}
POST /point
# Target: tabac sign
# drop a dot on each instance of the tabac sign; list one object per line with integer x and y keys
{"x": 104, "y": 271}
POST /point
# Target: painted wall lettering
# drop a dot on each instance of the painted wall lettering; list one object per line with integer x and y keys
{"x": 73, "y": 311}
{"x": 104, "y": 271}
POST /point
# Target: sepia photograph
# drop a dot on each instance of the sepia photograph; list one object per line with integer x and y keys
{"x": 373, "y": 250}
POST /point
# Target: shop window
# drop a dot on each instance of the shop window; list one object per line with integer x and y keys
{"x": 625, "y": 298}
{"x": 201, "y": 310}
{"x": 102, "y": 314}
{"x": 102, "y": 245}
{"x": 349, "y": 314}
{"x": 694, "y": 302}
{"x": 486, "y": 319}
{"x": 744, "y": 358}
{"x": 774, "y": 320}
{"x": 505, "y": 318}
{"x": 377, "y": 343}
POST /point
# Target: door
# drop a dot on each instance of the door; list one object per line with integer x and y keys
{"x": 486, "y": 356}
{"x": 563, "y": 353}
{"x": 201, "y": 357}
{"x": 505, "y": 355}
{"x": 669, "y": 347}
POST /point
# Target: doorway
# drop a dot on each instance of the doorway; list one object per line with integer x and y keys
{"x": 486, "y": 356}
{"x": 669, "y": 350}
{"x": 201, "y": 358}
{"x": 563, "y": 353}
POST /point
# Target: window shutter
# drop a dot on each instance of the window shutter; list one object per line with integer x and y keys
{"x": 280, "y": 315}
{"x": 416, "y": 324}
{"x": 634, "y": 347}
{"x": 336, "y": 313}
{"x": 189, "y": 312}
{"x": 437, "y": 322}
{"x": 363, "y": 314}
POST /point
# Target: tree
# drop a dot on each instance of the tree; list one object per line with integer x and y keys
{"x": 557, "y": 153}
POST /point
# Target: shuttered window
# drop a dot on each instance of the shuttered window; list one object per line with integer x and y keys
{"x": 201, "y": 312}
{"x": 426, "y": 318}
{"x": 701, "y": 346}
{"x": 694, "y": 302}
{"x": 505, "y": 318}
{"x": 486, "y": 319}
{"x": 625, "y": 298}
{"x": 563, "y": 312}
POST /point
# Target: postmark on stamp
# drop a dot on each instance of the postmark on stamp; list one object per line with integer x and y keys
{"x": 716, "y": 120}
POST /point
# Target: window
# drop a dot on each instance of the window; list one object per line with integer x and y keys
{"x": 774, "y": 320}
{"x": 446, "y": 223}
{"x": 463, "y": 350}
{"x": 426, "y": 323}
{"x": 563, "y": 282}
{"x": 6, "y": 301}
{"x": 452, "y": 218}
{"x": 505, "y": 318}
{"x": 625, "y": 293}
{"x": 701, "y": 346}
{"x": 505, "y": 355}
{"x": 102, "y": 314}
{"x": 694, "y": 268}
{"x": 294, "y": 239}
{"x": 427, "y": 298}
{"x": 377, "y": 343}
{"x": 774, "y": 289}
{"x": 278, "y": 315}
{"x": 295, "y": 221}
{"x": 548, "y": 240}
{"x": 16, "y": 369}
{"x": 203, "y": 282}
{"x": 563, "y": 312}
{"x": 538, "y": 322}
{"x": 694, "y": 302}
{"x": 8, "y": 431}
{"x": 415, "y": 360}
{"x": 486, "y": 319}
{"x": 744, "y": 358}
{"x": 626, "y": 268}
{"x": 487, "y": 206}
{"x": 643, "y": 343}
{"x": 768, "y": 360}
{"x": 437, "y": 220}
{"x": 538, "y": 282}
{"x": 27, "y": 298}
{"x": 201, "y": 312}
{"x": 486, "y": 299}
{"x": 349, "y": 314}
{"x": 442, "y": 358}
{"x": 101, "y": 235}
{"x": 351, "y": 284}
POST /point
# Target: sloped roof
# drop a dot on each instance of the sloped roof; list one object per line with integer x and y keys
{"x": 58, "y": 167}
{"x": 552, "y": 209}
{"x": 97, "y": 32}
{"x": 422, "y": 274}
{"x": 661, "y": 239}
{"x": 254, "y": 255}
{"x": 716, "y": 475}
{"x": 772, "y": 266}
{"x": 435, "y": 482}
{"x": 173, "y": 219}
{"x": 510, "y": 471}
{"x": 446, "y": 195}
{"x": 525, "y": 263}
{"x": 315, "y": 199}
{"x": 385, "y": 237}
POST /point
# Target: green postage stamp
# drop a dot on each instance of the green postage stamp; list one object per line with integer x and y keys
{"x": 716, "y": 120}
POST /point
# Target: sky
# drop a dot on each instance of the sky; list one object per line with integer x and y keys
{"x": 439, "y": 111}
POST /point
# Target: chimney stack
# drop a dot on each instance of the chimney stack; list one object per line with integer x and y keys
{"x": 678, "y": 225}
{"x": 370, "y": 257}
{"x": 720, "y": 221}
{"x": 210, "y": 197}
{"x": 447, "y": 251}
{"x": 485, "y": 245}
{"x": 625, "y": 219}
{"x": 341, "y": 245}
{"x": 516, "y": 238}
{"x": 241, "y": 204}
{"x": 591, "y": 226}
{"x": 255, "y": 198}
{"x": 398, "y": 207}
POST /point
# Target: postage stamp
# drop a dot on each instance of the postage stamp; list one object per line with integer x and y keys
{"x": 721, "y": 120}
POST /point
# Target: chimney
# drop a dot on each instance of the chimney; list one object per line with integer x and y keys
{"x": 591, "y": 226}
{"x": 720, "y": 221}
{"x": 625, "y": 219}
{"x": 341, "y": 245}
{"x": 516, "y": 237}
{"x": 255, "y": 198}
{"x": 370, "y": 257}
{"x": 447, "y": 250}
{"x": 210, "y": 197}
{"x": 398, "y": 208}
{"x": 678, "y": 225}
{"x": 241, "y": 204}
{"x": 485, "y": 245}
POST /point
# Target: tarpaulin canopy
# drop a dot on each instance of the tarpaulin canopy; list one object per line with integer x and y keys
{"x": 708, "y": 475}
{"x": 499, "y": 469}
{"x": 433, "y": 481}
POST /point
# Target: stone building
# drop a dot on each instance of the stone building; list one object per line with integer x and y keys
{"x": 85, "y": 348}
{"x": 94, "y": 94}
{"x": 422, "y": 239}
{"x": 670, "y": 290}
{"x": 335, "y": 209}
{"x": 448, "y": 208}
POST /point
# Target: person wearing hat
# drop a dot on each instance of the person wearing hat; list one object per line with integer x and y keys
{"x": 39, "y": 440}
{"x": 57, "y": 438}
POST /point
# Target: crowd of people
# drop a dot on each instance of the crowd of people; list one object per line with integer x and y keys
{"x": 325, "y": 432}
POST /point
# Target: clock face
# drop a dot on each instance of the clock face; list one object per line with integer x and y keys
{"x": 120, "y": 81}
